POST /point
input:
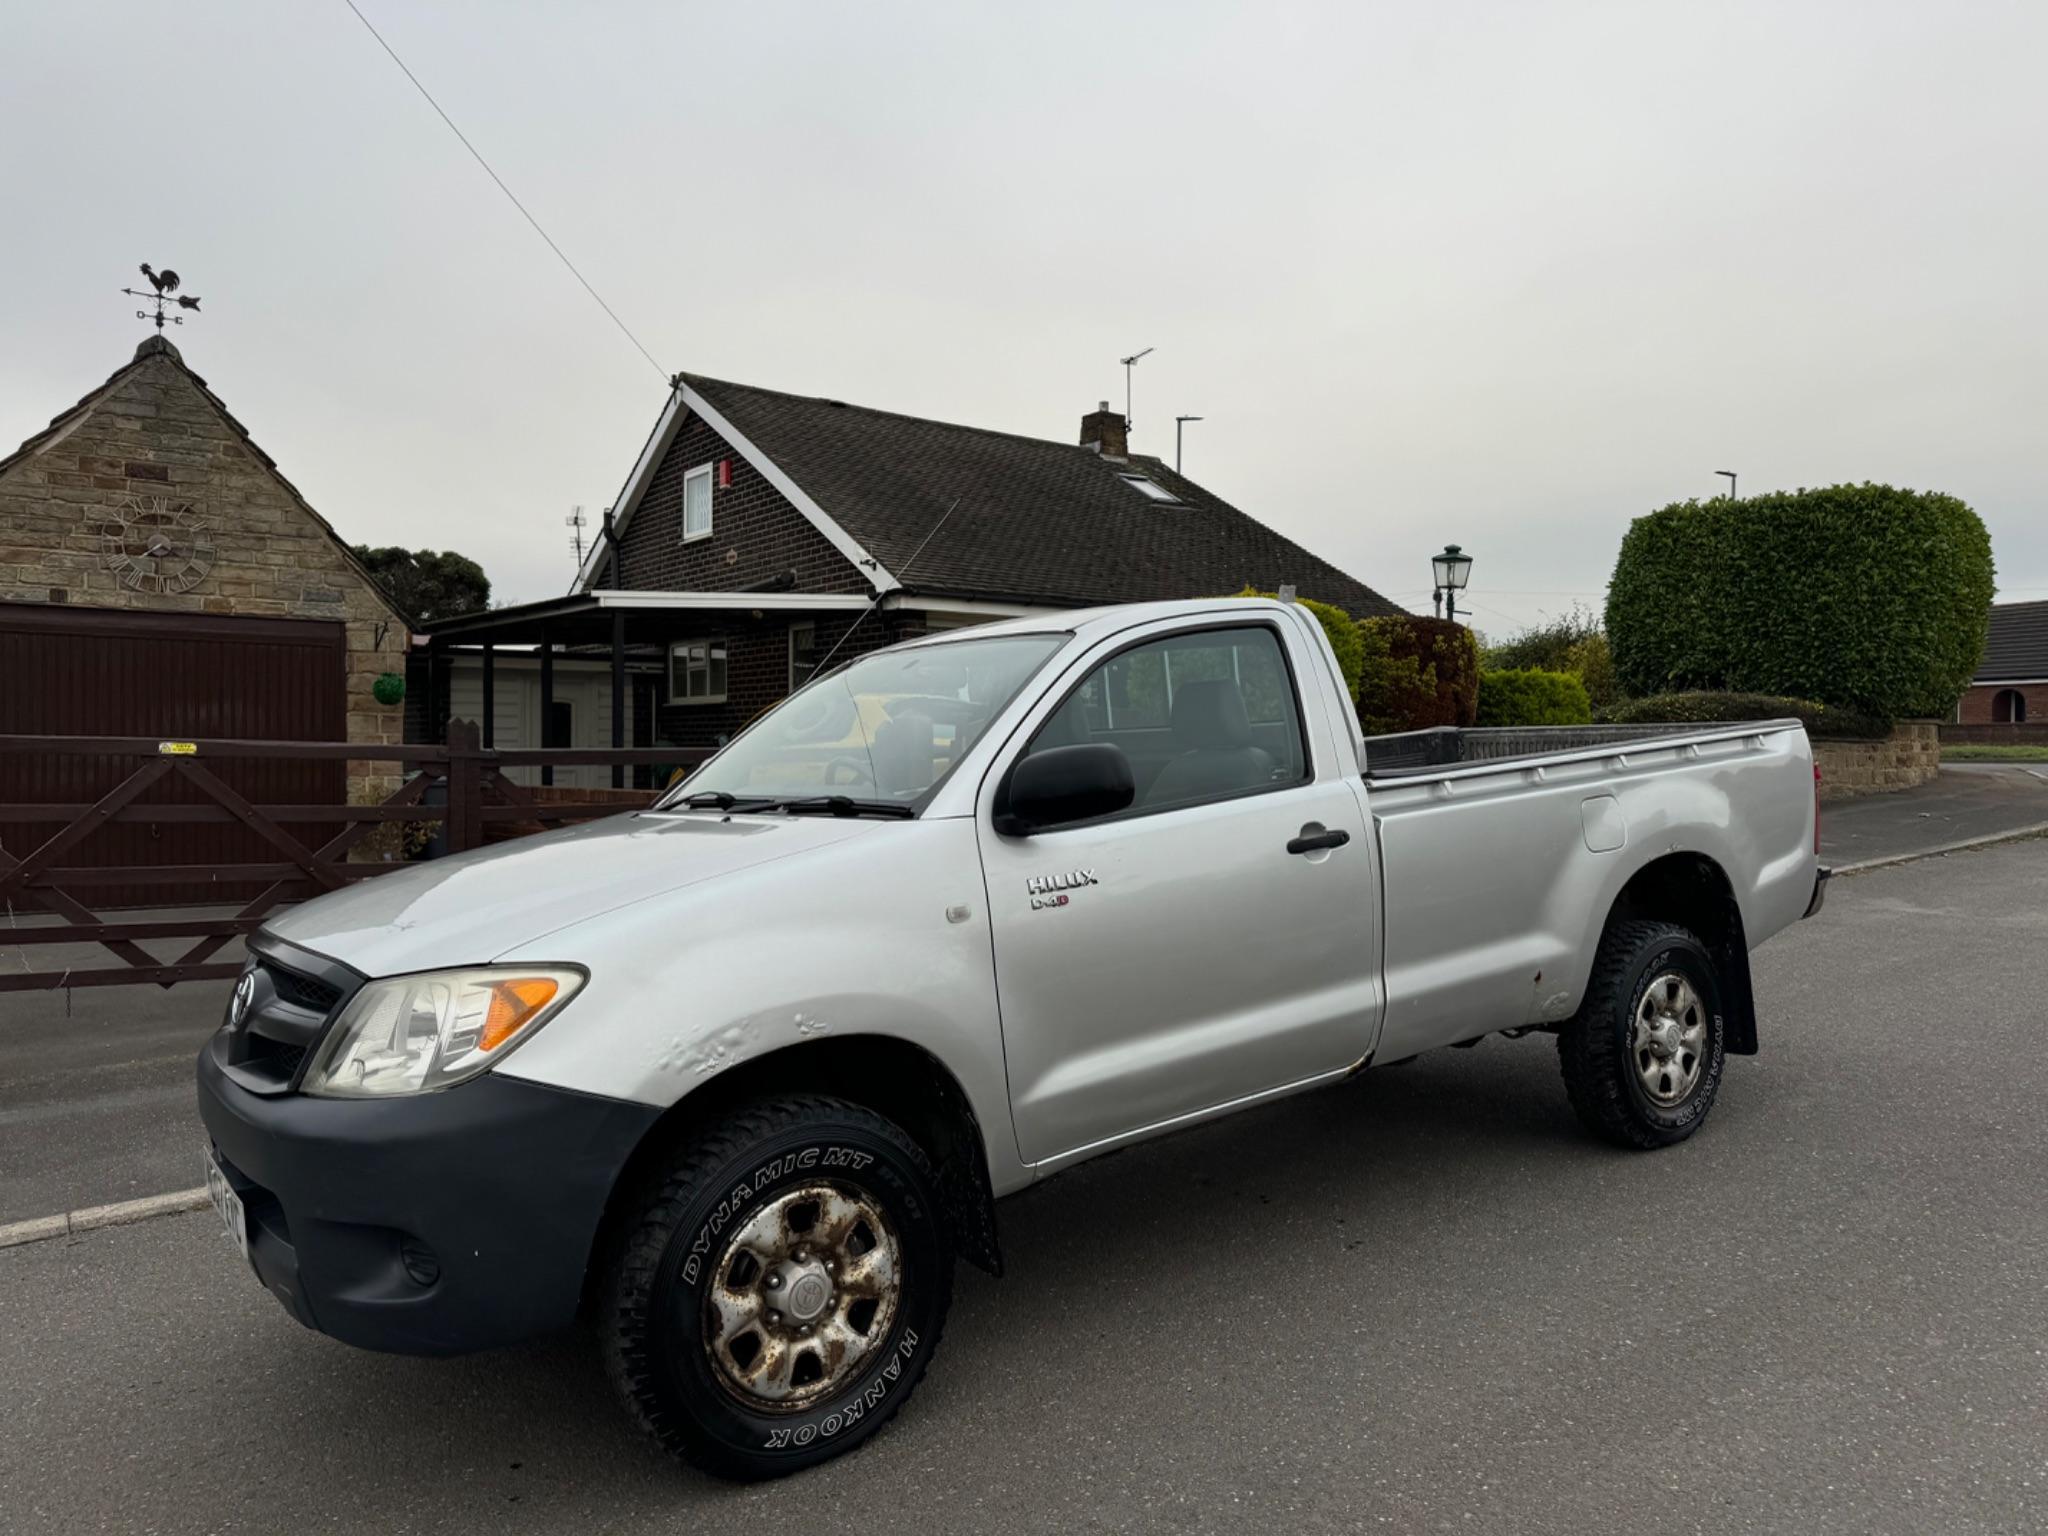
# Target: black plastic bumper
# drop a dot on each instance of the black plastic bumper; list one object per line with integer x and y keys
{"x": 432, "y": 1225}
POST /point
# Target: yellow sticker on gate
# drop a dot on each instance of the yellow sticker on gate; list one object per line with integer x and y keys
{"x": 177, "y": 749}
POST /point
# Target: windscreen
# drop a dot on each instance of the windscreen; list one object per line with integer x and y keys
{"x": 885, "y": 728}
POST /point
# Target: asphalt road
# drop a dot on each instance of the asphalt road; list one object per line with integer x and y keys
{"x": 96, "y": 1086}
{"x": 1417, "y": 1302}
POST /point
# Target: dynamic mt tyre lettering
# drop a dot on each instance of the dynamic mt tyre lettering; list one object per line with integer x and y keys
{"x": 777, "y": 1288}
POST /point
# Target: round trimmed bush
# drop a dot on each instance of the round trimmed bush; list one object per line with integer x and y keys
{"x": 1532, "y": 696}
{"x": 1416, "y": 673}
{"x": 1861, "y": 595}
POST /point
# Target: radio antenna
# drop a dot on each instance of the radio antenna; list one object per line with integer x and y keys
{"x": 1129, "y": 363}
{"x": 819, "y": 669}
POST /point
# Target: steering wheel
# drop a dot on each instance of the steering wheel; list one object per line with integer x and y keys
{"x": 861, "y": 773}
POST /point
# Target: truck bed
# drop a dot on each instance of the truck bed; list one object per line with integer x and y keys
{"x": 1419, "y": 754}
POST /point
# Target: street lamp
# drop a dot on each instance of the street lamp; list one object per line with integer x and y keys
{"x": 1729, "y": 476}
{"x": 1452, "y": 568}
{"x": 1178, "y": 423}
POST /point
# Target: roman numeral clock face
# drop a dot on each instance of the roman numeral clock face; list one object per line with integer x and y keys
{"x": 154, "y": 544}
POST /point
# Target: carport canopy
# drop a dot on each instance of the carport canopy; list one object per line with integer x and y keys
{"x": 616, "y": 624}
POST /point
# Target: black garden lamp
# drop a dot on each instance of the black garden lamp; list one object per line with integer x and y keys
{"x": 1453, "y": 568}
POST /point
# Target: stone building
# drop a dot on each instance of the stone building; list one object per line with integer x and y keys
{"x": 159, "y": 576}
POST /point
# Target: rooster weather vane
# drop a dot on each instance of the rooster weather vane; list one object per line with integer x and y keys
{"x": 166, "y": 284}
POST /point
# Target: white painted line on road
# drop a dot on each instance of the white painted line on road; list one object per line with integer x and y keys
{"x": 2038, "y": 829}
{"x": 39, "y": 1229}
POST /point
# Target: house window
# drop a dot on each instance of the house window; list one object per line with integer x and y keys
{"x": 697, "y": 503}
{"x": 696, "y": 672}
{"x": 2008, "y": 707}
{"x": 1148, "y": 487}
{"x": 803, "y": 654}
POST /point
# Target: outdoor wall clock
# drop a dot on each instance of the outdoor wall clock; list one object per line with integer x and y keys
{"x": 155, "y": 544}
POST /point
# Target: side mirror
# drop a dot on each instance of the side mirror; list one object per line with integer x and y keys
{"x": 1063, "y": 784}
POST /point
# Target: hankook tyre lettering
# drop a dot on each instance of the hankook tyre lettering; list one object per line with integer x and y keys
{"x": 777, "y": 1287}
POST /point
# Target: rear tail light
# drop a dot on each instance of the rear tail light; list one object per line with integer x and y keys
{"x": 1816, "y": 810}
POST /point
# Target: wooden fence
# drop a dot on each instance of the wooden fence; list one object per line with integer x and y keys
{"x": 56, "y": 877}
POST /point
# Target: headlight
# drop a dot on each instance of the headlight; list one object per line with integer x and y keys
{"x": 414, "y": 1033}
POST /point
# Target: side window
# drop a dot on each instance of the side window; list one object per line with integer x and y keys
{"x": 697, "y": 503}
{"x": 1201, "y": 716}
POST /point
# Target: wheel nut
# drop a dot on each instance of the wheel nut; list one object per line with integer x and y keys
{"x": 775, "y": 1282}
{"x": 775, "y": 1318}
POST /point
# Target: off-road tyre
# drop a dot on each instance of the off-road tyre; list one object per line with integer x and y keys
{"x": 1598, "y": 1048}
{"x": 681, "y": 1223}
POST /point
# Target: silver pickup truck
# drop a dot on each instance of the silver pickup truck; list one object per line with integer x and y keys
{"x": 739, "y": 1076}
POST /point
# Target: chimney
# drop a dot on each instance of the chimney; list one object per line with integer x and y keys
{"x": 1103, "y": 430}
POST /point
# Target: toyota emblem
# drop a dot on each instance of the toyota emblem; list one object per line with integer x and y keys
{"x": 245, "y": 994}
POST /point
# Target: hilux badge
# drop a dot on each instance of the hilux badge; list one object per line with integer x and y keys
{"x": 1050, "y": 890}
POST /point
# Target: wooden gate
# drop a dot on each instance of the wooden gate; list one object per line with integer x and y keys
{"x": 68, "y": 671}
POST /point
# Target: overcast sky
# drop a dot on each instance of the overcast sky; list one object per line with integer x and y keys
{"x": 1502, "y": 274}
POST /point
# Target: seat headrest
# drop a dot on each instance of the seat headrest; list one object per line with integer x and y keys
{"x": 1211, "y": 714}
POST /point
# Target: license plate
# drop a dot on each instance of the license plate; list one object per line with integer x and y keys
{"x": 229, "y": 1205}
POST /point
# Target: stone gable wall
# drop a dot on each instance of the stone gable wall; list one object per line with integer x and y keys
{"x": 157, "y": 437}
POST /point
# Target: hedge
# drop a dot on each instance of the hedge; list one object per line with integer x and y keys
{"x": 1713, "y": 708}
{"x": 1416, "y": 673}
{"x": 1859, "y": 595}
{"x": 1341, "y": 629}
{"x": 1531, "y": 696}
{"x": 1572, "y": 642}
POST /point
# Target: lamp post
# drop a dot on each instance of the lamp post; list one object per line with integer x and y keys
{"x": 1452, "y": 569}
{"x": 1729, "y": 476}
{"x": 1178, "y": 423}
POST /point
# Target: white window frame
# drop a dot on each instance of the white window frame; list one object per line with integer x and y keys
{"x": 1149, "y": 488}
{"x": 708, "y": 474}
{"x": 806, "y": 624}
{"x": 707, "y": 643}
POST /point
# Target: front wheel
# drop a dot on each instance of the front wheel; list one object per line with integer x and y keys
{"x": 1642, "y": 1057}
{"x": 778, "y": 1291}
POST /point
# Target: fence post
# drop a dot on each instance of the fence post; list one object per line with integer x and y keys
{"x": 465, "y": 788}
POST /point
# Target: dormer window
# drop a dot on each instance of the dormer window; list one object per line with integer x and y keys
{"x": 1148, "y": 487}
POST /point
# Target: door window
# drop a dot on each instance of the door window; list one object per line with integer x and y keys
{"x": 1203, "y": 715}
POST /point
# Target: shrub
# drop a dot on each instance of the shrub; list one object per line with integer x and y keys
{"x": 1532, "y": 696}
{"x": 1860, "y": 595}
{"x": 1573, "y": 642}
{"x": 1705, "y": 708}
{"x": 1416, "y": 673}
{"x": 1343, "y": 633}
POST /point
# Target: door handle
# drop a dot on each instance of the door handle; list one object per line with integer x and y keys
{"x": 1312, "y": 842}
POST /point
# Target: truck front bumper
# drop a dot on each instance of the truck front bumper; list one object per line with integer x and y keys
{"x": 1821, "y": 876}
{"x": 432, "y": 1224}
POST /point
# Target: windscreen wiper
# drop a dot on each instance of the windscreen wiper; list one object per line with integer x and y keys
{"x": 843, "y": 805}
{"x": 718, "y": 800}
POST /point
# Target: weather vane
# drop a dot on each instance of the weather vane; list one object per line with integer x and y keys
{"x": 166, "y": 284}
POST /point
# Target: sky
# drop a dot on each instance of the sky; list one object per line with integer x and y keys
{"x": 1506, "y": 275}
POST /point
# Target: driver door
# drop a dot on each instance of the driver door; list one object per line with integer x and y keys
{"x": 1176, "y": 956}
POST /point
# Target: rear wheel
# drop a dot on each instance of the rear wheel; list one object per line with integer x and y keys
{"x": 1642, "y": 1058}
{"x": 780, "y": 1288}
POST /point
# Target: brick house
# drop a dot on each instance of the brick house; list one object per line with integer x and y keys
{"x": 760, "y": 532}
{"x": 2011, "y": 683}
{"x": 160, "y": 577}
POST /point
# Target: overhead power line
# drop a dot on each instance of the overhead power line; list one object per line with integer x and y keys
{"x": 477, "y": 155}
